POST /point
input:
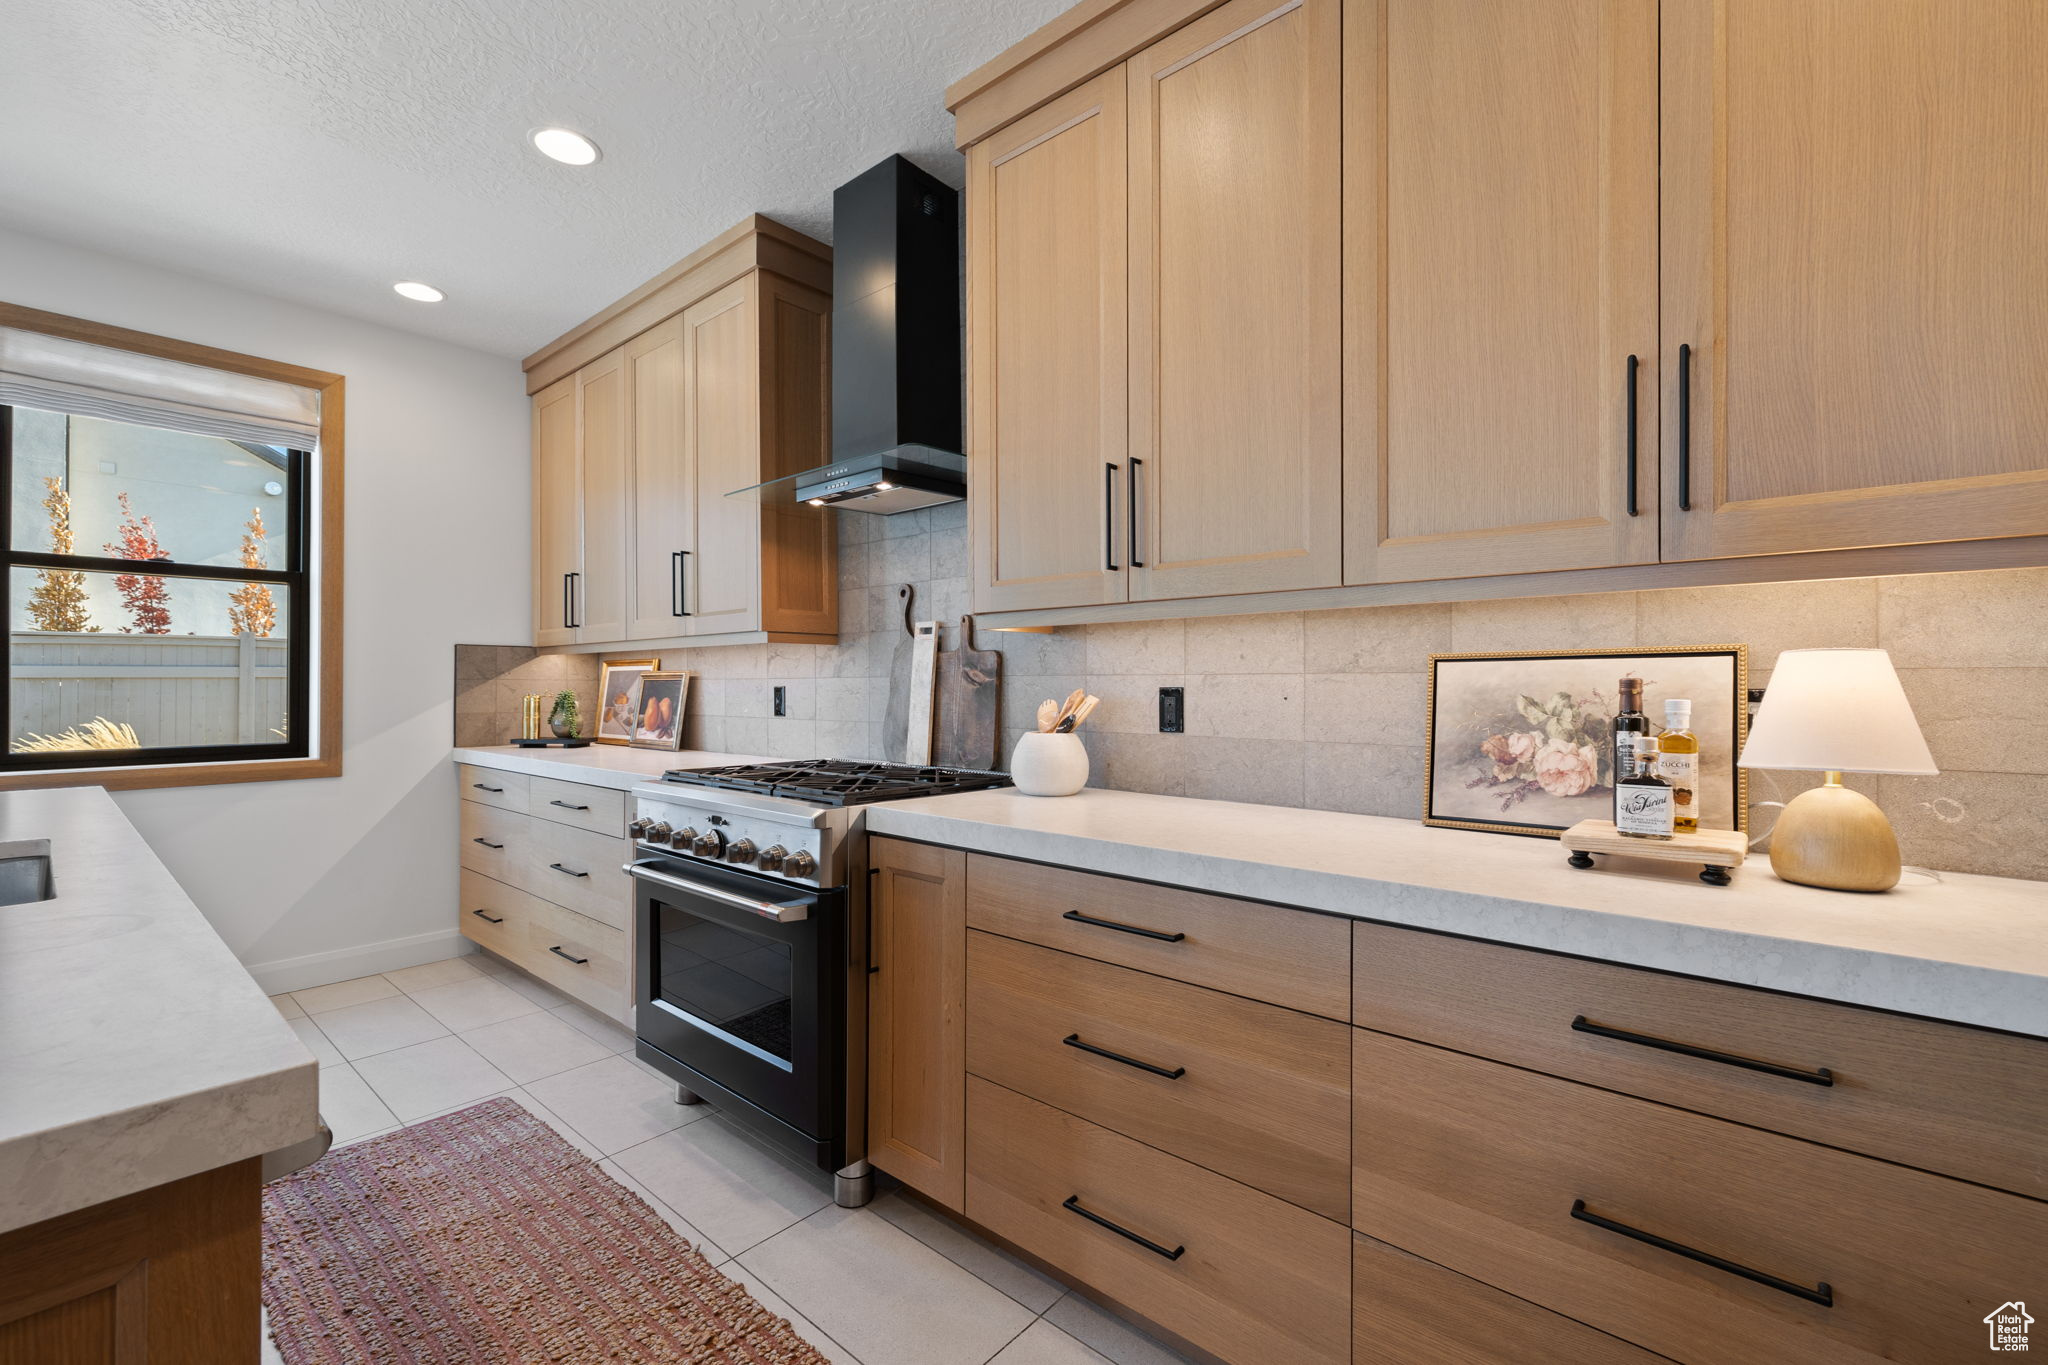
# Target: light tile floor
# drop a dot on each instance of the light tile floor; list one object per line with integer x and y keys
{"x": 891, "y": 1284}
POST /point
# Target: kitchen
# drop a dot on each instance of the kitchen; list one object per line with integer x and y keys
{"x": 1455, "y": 587}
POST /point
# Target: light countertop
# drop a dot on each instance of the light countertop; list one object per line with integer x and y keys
{"x": 134, "y": 1048}
{"x": 1966, "y": 948}
{"x": 597, "y": 765}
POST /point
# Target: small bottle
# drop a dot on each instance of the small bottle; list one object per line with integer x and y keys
{"x": 1642, "y": 803}
{"x": 1678, "y": 763}
{"x": 1630, "y": 724}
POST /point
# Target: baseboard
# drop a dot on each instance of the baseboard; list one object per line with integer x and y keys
{"x": 345, "y": 964}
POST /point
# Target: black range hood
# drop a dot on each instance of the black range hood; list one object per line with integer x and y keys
{"x": 895, "y": 345}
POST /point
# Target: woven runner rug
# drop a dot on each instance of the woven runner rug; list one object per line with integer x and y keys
{"x": 484, "y": 1238}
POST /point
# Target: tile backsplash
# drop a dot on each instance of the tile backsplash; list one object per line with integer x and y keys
{"x": 1326, "y": 709}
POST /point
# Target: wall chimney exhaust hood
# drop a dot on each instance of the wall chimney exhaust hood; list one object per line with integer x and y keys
{"x": 895, "y": 346}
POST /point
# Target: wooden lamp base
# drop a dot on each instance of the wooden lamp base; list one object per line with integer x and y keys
{"x": 1836, "y": 838}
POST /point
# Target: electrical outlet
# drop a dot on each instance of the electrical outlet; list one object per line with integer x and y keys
{"x": 781, "y": 701}
{"x": 1173, "y": 710}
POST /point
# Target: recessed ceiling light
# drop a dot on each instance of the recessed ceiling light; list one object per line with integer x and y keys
{"x": 565, "y": 146}
{"x": 419, "y": 293}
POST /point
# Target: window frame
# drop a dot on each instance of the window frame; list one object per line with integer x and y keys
{"x": 312, "y": 580}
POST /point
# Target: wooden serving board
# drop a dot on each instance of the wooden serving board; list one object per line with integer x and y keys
{"x": 1713, "y": 850}
{"x": 968, "y": 704}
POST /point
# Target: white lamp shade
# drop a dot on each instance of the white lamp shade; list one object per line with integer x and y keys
{"x": 1836, "y": 710}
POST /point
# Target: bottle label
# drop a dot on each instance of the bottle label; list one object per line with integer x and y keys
{"x": 1682, "y": 771}
{"x": 1643, "y": 810}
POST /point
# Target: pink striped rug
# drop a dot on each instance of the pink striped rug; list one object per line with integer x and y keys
{"x": 484, "y": 1238}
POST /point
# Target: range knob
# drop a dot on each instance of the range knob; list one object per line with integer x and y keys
{"x": 710, "y": 844}
{"x": 741, "y": 852}
{"x": 639, "y": 828}
{"x": 771, "y": 858}
{"x": 799, "y": 864}
{"x": 658, "y": 831}
{"x": 683, "y": 837}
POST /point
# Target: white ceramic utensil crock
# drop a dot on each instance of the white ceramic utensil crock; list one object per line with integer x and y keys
{"x": 1049, "y": 765}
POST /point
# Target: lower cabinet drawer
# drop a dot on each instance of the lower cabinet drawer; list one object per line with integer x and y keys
{"x": 493, "y": 787}
{"x": 579, "y": 869}
{"x": 601, "y": 810}
{"x": 572, "y": 952}
{"x": 1243, "y": 1275}
{"x": 1258, "y": 1093}
{"x": 494, "y": 841}
{"x": 1406, "y": 1311}
{"x": 1704, "y": 1240}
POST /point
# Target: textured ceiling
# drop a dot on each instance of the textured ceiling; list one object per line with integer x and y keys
{"x": 319, "y": 150}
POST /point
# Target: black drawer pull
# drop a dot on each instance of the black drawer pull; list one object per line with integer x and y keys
{"x": 1685, "y": 428}
{"x": 1824, "y": 1295}
{"x": 485, "y": 842}
{"x": 1079, "y": 918}
{"x": 557, "y": 951}
{"x": 1823, "y": 1076}
{"x": 488, "y": 919}
{"x": 566, "y": 806}
{"x": 482, "y": 788}
{"x": 1074, "y": 1040}
{"x": 1633, "y": 365}
{"x": 568, "y": 870}
{"x": 1072, "y": 1204}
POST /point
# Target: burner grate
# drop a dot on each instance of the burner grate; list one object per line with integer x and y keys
{"x": 838, "y": 781}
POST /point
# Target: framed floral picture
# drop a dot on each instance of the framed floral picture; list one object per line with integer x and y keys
{"x": 1523, "y": 743}
{"x": 617, "y": 685}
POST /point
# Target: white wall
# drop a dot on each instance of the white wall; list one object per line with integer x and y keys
{"x": 317, "y": 881}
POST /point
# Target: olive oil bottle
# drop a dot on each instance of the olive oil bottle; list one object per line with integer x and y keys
{"x": 1678, "y": 763}
{"x": 1630, "y": 725}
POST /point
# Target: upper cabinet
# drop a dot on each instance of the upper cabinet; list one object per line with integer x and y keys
{"x": 1500, "y": 287}
{"x": 1856, "y": 257}
{"x": 1236, "y": 444}
{"x": 709, "y": 380}
{"x": 1381, "y": 294}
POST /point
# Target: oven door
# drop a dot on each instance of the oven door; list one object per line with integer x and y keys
{"x": 742, "y": 980}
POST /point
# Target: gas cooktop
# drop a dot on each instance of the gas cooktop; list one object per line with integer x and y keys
{"x": 838, "y": 781}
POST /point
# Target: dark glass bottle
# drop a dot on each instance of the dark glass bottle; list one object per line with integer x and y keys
{"x": 1630, "y": 724}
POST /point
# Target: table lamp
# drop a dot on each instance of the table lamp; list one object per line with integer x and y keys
{"x": 1836, "y": 711}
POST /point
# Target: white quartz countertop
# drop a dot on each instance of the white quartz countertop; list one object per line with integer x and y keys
{"x": 134, "y": 1048}
{"x": 1964, "y": 948}
{"x": 598, "y": 765}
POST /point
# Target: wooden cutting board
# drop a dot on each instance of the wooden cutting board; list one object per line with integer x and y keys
{"x": 969, "y": 704}
{"x": 924, "y": 657}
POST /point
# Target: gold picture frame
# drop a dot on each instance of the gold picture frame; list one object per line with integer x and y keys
{"x": 615, "y": 712}
{"x": 1482, "y": 741}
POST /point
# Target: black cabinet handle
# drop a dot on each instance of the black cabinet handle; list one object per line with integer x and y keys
{"x": 1131, "y": 506}
{"x": 873, "y": 966}
{"x": 488, "y": 919}
{"x": 1074, "y": 1040}
{"x": 1079, "y": 918}
{"x": 482, "y": 788}
{"x": 557, "y": 951}
{"x": 569, "y": 870}
{"x": 485, "y": 842}
{"x": 1109, "y": 516}
{"x": 566, "y": 806}
{"x": 1685, "y": 427}
{"x": 1072, "y": 1204}
{"x": 678, "y": 589}
{"x": 1824, "y": 1295}
{"x": 1633, "y": 365}
{"x": 1822, "y": 1076}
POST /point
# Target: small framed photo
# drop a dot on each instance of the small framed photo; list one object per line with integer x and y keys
{"x": 617, "y": 686}
{"x": 1523, "y": 743}
{"x": 658, "y": 710}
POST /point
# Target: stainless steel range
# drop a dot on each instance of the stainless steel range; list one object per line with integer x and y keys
{"x": 751, "y": 944}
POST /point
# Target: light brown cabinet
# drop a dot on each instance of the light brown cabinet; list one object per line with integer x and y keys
{"x": 1500, "y": 287}
{"x": 917, "y": 1016}
{"x": 1855, "y": 254}
{"x": 724, "y": 385}
{"x": 1618, "y": 283}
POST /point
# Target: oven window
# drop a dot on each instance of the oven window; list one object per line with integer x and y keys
{"x": 733, "y": 980}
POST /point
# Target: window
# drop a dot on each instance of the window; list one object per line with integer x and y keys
{"x": 170, "y": 545}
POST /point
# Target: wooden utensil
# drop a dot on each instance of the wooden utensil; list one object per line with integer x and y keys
{"x": 968, "y": 706}
{"x": 1074, "y": 699}
{"x": 1048, "y": 715}
{"x": 1083, "y": 711}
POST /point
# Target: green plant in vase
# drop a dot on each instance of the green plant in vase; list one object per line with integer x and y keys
{"x": 564, "y": 719}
